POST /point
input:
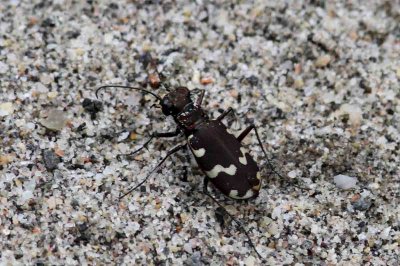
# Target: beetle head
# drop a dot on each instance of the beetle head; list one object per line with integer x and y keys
{"x": 175, "y": 101}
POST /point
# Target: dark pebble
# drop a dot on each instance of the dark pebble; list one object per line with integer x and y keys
{"x": 51, "y": 160}
{"x": 365, "y": 86}
{"x": 92, "y": 107}
{"x": 48, "y": 23}
{"x": 220, "y": 216}
{"x": 145, "y": 59}
{"x": 194, "y": 260}
{"x": 72, "y": 34}
{"x": 362, "y": 204}
{"x": 307, "y": 244}
{"x": 113, "y": 6}
{"x": 120, "y": 235}
{"x": 252, "y": 80}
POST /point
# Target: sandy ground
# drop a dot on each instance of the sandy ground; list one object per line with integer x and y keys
{"x": 321, "y": 82}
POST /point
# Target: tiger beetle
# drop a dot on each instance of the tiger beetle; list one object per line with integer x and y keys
{"x": 219, "y": 154}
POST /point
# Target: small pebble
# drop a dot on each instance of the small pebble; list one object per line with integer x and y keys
{"x": 56, "y": 120}
{"x": 345, "y": 182}
{"x": 292, "y": 174}
{"x": 26, "y": 195}
{"x": 51, "y": 160}
{"x": 6, "y": 109}
{"x": 3, "y": 68}
{"x": 154, "y": 80}
{"x": 6, "y": 159}
{"x": 298, "y": 83}
{"x": 250, "y": 261}
{"x": 52, "y": 94}
{"x": 206, "y": 81}
{"x": 354, "y": 112}
{"x": 52, "y": 203}
{"x": 123, "y": 136}
{"x": 363, "y": 204}
{"x": 252, "y": 80}
{"x": 323, "y": 61}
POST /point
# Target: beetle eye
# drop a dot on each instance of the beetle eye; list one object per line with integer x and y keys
{"x": 166, "y": 106}
{"x": 166, "y": 103}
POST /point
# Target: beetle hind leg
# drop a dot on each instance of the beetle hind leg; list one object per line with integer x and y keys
{"x": 241, "y": 227}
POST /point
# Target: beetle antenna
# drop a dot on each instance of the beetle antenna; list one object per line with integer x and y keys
{"x": 126, "y": 87}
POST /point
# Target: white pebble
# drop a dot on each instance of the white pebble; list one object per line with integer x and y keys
{"x": 354, "y": 112}
{"x": 188, "y": 248}
{"x": 123, "y": 136}
{"x": 41, "y": 88}
{"x": 323, "y": 61}
{"x": 6, "y": 109}
{"x": 56, "y": 120}
{"x": 51, "y": 202}
{"x": 250, "y": 261}
{"x": 385, "y": 234}
{"x": 26, "y": 195}
{"x": 344, "y": 181}
{"x": 293, "y": 174}
{"x": 3, "y": 68}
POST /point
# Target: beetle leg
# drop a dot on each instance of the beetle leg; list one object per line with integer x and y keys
{"x": 245, "y": 133}
{"x": 200, "y": 99}
{"x": 225, "y": 113}
{"x": 172, "y": 151}
{"x": 152, "y": 136}
{"x": 186, "y": 166}
{"x": 205, "y": 191}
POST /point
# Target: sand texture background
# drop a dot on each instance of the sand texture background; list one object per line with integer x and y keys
{"x": 319, "y": 79}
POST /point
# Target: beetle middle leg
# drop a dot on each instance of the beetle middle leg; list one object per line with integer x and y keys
{"x": 205, "y": 191}
{"x": 152, "y": 136}
{"x": 245, "y": 133}
{"x": 170, "y": 152}
{"x": 186, "y": 166}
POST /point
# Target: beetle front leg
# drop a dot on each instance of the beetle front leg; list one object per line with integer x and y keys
{"x": 225, "y": 113}
{"x": 152, "y": 136}
{"x": 200, "y": 99}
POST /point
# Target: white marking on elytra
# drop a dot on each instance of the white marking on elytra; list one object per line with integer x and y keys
{"x": 231, "y": 170}
{"x": 230, "y": 132}
{"x": 234, "y": 194}
{"x": 199, "y": 153}
{"x": 243, "y": 159}
{"x": 258, "y": 176}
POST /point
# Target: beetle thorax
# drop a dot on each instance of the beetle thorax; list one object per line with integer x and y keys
{"x": 190, "y": 117}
